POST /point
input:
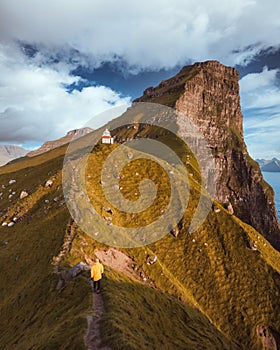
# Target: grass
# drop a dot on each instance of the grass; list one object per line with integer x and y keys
{"x": 34, "y": 315}
{"x": 208, "y": 290}
{"x": 153, "y": 318}
{"x": 168, "y": 96}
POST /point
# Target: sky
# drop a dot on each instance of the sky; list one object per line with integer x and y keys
{"x": 64, "y": 61}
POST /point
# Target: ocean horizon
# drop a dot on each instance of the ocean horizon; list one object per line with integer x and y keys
{"x": 274, "y": 180}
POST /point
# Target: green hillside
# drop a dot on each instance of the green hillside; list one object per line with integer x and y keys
{"x": 208, "y": 290}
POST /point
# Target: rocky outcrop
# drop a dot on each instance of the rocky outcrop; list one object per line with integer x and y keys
{"x": 10, "y": 152}
{"x": 270, "y": 338}
{"x": 49, "y": 145}
{"x": 208, "y": 94}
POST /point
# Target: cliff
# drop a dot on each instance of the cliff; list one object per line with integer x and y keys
{"x": 49, "y": 145}
{"x": 10, "y": 152}
{"x": 208, "y": 93}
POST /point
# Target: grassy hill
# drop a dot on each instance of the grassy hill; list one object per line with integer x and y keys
{"x": 208, "y": 290}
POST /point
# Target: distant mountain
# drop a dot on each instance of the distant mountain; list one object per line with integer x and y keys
{"x": 272, "y": 165}
{"x": 10, "y": 152}
{"x": 262, "y": 162}
{"x": 49, "y": 145}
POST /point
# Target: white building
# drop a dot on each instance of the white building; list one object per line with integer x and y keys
{"x": 107, "y": 138}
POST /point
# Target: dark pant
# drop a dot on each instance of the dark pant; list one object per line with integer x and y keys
{"x": 96, "y": 285}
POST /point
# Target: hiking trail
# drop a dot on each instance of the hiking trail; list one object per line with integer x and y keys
{"x": 92, "y": 338}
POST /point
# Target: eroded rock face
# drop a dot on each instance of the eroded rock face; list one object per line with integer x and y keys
{"x": 208, "y": 94}
{"x": 269, "y": 337}
{"x": 49, "y": 145}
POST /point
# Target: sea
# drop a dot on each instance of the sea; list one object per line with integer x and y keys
{"x": 274, "y": 180}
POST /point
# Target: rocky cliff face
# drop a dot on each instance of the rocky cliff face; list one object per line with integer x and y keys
{"x": 49, "y": 145}
{"x": 10, "y": 152}
{"x": 208, "y": 94}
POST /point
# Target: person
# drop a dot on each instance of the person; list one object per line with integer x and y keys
{"x": 96, "y": 272}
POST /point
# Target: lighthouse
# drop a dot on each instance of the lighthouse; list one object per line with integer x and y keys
{"x": 107, "y": 138}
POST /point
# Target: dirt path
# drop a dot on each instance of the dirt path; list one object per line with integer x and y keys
{"x": 121, "y": 262}
{"x": 92, "y": 338}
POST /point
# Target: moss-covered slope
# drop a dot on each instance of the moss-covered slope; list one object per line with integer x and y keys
{"x": 208, "y": 290}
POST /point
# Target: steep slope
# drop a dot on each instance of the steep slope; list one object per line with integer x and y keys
{"x": 33, "y": 314}
{"x": 208, "y": 94}
{"x": 209, "y": 290}
{"x": 226, "y": 269}
{"x": 49, "y": 145}
{"x": 10, "y": 152}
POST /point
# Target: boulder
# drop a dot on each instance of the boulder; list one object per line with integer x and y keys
{"x": 48, "y": 184}
{"x": 269, "y": 337}
{"x": 175, "y": 231}
{"x": 152, "y": 260}
{"x": 76, "y": 269}
{"x": 23, "y": 194}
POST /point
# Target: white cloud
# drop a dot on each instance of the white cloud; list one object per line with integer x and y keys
{"x": 35, "y": 105}
{"x": 261, "y": 105}
{"x": 260, "y": 90}
{"x": 147, "y": 34}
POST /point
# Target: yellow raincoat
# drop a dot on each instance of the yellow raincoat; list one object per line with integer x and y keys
{"x": 96, "y": 271}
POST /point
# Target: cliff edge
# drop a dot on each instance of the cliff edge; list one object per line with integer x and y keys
{"x": 208, "y": 94}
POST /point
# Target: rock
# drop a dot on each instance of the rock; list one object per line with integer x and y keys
{"x": 56, "y": 199}
{"x": 208, "y": 94}
{"x": 49, "y": 145}
{"x": 48, "y": 184}
{"x": 23, "y": 194}
{"x": 269, "y": 337}
{"x": 4, "y": 243}
{"x": 10, "y": 196}
{"x": 108, "y": 210}
{"x": 12, "y": 182}
{"x": 129, "y": 155}
{"x": 76, "y": 269}
{"x": 60, "y": 284}
{"x": 10, "y": 224}
{"x": 152, "y": 260}
{"x": 4, "y": 223}
{"x": 230, "y": 209}
{"x": 175, "y": 231}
